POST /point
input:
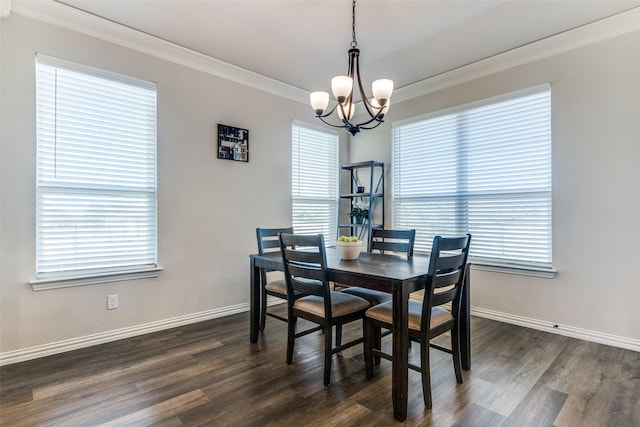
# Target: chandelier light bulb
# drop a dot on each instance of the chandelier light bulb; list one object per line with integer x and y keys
{"x": 319, "y": 101}
{"x": 341, "y": 87}
{"x": 382, "y": 89}
{"x": 377, "y": 107}
{"x": 348, "y": 109}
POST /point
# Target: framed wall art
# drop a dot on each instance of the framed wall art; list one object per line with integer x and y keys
{"x": 233, "y": 143}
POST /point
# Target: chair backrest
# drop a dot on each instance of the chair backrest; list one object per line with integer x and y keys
{"x": 445, "y": 278}
{"x": 268, "y": 242}
{"x": 305, "y": 261}
{"x": 393, "y": 240}
{"x": 268, "y": 238}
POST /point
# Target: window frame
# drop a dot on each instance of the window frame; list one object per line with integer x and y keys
{"x": 330, "y": 200}
{"x": 70, "y": 184}
{"x": 488, "y": 264}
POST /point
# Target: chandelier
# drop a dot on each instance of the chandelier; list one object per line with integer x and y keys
{"x": 343, "y": 88}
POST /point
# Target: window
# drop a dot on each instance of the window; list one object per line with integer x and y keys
{"x": 314, "y": 178}
{"x": 483, "y": 169}
{"x": 96, "y": 172}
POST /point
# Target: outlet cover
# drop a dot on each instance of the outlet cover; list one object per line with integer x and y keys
{"x": 112, "y": 302}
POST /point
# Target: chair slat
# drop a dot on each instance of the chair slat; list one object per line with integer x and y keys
{"x": 392, "y": 240}
{"x": 447, "y": 279}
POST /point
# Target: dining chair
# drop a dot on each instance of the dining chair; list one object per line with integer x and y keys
{"x": 427, "y": 319}
{"x": 396, "y": 241}
{"x": 309, "y": 295}
{"x": 268, "y": 242}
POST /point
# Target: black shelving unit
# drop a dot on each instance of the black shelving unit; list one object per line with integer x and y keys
{"x": 370, "y": 176}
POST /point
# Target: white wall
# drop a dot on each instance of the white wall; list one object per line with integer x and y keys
{"x": 208, "y": 208}
{"x": 595, "y": 94}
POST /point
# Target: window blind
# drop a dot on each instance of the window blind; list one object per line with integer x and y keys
{"x": 314, "y": 181}
{"x": 484, "y": 169}
{"x": 96, "y": 171}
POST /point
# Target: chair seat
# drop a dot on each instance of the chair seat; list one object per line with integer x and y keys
{"x": 278, "y": 286}
{"x": 374, "y": 297}
{"x": 384, "y": 313}
{"x": 341, "y": 304}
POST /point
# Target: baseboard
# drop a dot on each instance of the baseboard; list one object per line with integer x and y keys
{"x": 36, "y": 352}
{"x": 569, "y": 331}
{"x": 118, "y": 334}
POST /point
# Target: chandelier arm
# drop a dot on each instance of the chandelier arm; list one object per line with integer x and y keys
{"x": 363, "y": 95}
{"x": 341, "y": 126}
{"x": 372, "y": 127}
{"x": 373, "y": 119}
{"x": 329, "y": 113}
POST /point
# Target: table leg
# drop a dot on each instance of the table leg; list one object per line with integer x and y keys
{"x": 400, "y": 369}
{"x": 254, "y": 301}
{"x": 465, "y": 323}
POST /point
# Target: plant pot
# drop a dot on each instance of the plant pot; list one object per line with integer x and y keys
{"x": 349, "y": 250}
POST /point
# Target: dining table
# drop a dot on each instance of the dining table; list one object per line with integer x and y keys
{"x": 394, "y": 274}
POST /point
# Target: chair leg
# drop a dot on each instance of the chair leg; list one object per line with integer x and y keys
{"x": 377, "y": 339}
{"x": 426, "y": 372}
{"x": 291, "y": 332}
{"x": 338, "y": 335}
{"x": 455, "y": 349}
{"x": 263, "y": 308}
{"x": 327, "y": 354}
{"x": 368, "y": 347}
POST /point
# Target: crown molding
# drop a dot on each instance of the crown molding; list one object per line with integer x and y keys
{"x": 614, "y": 26}
{"x": 55, "y": 13}
{"x": 59, "y": 14}
{"x": 5, "y": 8}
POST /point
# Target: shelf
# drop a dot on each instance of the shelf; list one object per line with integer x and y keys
{"x": 360, "y": 225}
{"x": 367, "y": 164}
{"x": 367, "y": 176}
{"x": 352, "y": 195}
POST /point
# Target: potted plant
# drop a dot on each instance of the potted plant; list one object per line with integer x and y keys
{"x": 359, "y": 211}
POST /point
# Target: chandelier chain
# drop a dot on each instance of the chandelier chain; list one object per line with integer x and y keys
{"x": 354, "y": 43}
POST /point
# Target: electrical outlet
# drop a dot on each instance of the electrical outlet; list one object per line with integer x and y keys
{"x": 112, "y": 302}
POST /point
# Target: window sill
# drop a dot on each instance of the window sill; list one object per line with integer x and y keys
{"x": 546, "y": 273}
{"x": 66, "y": 282}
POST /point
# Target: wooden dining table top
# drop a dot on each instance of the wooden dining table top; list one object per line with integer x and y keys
{"x": 378, "y": 271}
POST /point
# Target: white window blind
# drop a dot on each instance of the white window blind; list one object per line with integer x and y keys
{"x": 96, "y": 171}
{"x": 484, "y": 169}
{"x": 314, "y": 181}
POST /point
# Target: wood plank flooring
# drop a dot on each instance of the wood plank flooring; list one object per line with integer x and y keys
{"x": 208, "y": 374}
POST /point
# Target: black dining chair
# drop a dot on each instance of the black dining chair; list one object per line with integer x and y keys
{"x": 309, "y": 295}
{"x": 385, "y": 241}
{"x": 427, "y": 319}
{"x": 268, "y": 242}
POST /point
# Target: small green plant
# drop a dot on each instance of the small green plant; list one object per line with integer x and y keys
{"x": 359, "y": 211}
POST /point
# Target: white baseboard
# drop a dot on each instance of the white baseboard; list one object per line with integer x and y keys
{"x": 31, "y": 353}
{"x": 569, "y": 331}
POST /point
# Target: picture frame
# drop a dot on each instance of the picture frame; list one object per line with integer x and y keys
{"x": 233, "y": 143}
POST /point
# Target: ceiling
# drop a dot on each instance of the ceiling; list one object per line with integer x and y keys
{"x": 304, "y": 42}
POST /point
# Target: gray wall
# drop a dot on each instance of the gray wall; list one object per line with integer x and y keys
{"x": 595, "y": 92}
{"x": 208, "y": 208}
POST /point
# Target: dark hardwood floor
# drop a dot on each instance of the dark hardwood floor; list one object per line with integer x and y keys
{"x": 208, "y": 374}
